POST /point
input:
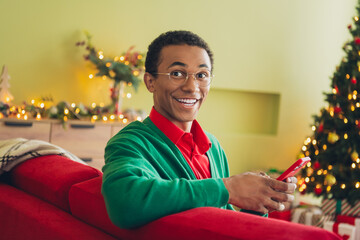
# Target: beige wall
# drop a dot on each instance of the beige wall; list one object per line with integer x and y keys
{"x": 286, "y": 49}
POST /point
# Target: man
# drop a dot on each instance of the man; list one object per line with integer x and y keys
{"x": 167, "y": 163}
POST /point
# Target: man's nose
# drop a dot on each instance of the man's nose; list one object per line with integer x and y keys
{"x": 191, "y": 83}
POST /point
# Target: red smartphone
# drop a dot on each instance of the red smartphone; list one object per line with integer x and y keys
{"x": 293, "y": 169}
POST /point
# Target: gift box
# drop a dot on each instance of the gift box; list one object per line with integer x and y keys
{"x": 344, "y": 230}
{"x": 340, "y": 207}
{"x": 312, "y": 216}
{"x": 352, "y": 221}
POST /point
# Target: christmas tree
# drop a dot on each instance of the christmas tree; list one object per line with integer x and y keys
{"x": 334, "y": 147}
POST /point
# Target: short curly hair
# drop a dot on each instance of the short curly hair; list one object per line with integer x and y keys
{"x": 173, "y": 38}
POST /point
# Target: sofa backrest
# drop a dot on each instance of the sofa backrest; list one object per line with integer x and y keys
{"x": 51, "y": 177}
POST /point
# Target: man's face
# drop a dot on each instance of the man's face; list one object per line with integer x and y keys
{"x": 180, "y": 104}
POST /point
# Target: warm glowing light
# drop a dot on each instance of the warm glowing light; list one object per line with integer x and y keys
{"x": 26, "y": 117}
{"x": 307, "y": 179}
{"x": 325, "y": 172}
{"x": 308, "y": 164}
{"x": 303, "y": 148}
{"x": 346, "y": 120}
{"x": 127, "y": 62}
{"x": 319, "y": 172}
{"x": 91, "y": 76}
{"x": 108, "y": 64}
{"x": 324, "y": 146}
{"x": 121, "y": 116}
{"x": 353, "y": 165}
{"x": 356, "y": 18}
{"x": 316, "y": 152}
{"x": 73, "y": 105}
{"x": 122, "y": 58}
{"x": 112, "y": 117}
{"x": 346, "y": 136}
{"x": 357, "y": 185}
{"x": 136, "y": 73}
{"x": 129, "y": 84}
{"x": 94, "y": 118}
{"x": 343, "y": 186}
{"x": 66, "y": 111}
{"x": 139, "y": 56}
{"x": 18, "y": 116}
{"x": 352, "y": 108}
{"x": 93, "y": 105}
{"x": 105, "y": 118}
{"x": 328, "y": 188}
{"x": 331, "y": 113}
{"x": 23, "y": 111}
{"x": 101, "y": 56}
{"x": 350, "y": 96}
{"x": 77, "y": 110}
{"x": 347, "y": 76}
{"x": 128, "y": 95}
{"x": 313, "y": 128}
{"x": 38, "y": 116}
{"x": 138, "y": 118}
{"x": 32, "y": 101}
{"x": 116, "y": 58}
{"x": 314, "y": 142}
{"x": 124, "y": 120}
{"x": 104, "y": 77}
{"x": 357, "y": 104}
{"x": 358, "y": 160}
{"x": 65, "y": 118}
{"x": 1, "y": 115}
{"x": 334, "y": 91}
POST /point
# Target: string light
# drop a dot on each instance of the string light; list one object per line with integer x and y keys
{"x": 303, "y": 148}
{"x": 66, "y": 111}
{"x": 324, "y": 147}
{"x": 105, "y": 118}
{"x": 352, "y": 108}
{"x": 345, "y": 120}
{"x": 343, "y": 186}
{"x": 93, "y": 105}
{"x": 347, "y": 76}
{"x": 353, "y": 165}
{"x": 25, "y": 117}
{"x": 112, "y": 117}
{"x": 330, "y": 167}
{"x": 128, "y": 95}
{"x": 38, "y": 116}
{"x": 313, "y": 128}
{"x": 346, "y": 136}
{"x": 356, "y": 18}
{"x": 101, "y": 56}
{"x": 357, "y": 185}
{"x": 307, "y": 179}
{"x": 125, "y": 120}
{"x": 91, "y": 76}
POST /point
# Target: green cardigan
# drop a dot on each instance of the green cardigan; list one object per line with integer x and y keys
{"x": 146, "y": 177}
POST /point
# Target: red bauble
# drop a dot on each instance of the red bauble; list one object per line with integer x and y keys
{"x": 337, "y": 89}
{"x": 316, "y": 165}
{"x": 337, "y": 110}
{"x": 357, "y": 40}
{"x": 353, "y": 80}
{"x": 321, "y": 128}
{"x": 349, "y": 26}
{"x": 318, "y": 191}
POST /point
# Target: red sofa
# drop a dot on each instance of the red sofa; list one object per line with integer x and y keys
{"x": 52, "y": 197}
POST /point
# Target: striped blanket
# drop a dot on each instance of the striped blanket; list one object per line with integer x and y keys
{"x": 16, "y": 150}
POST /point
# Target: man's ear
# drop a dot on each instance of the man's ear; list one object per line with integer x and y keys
{"x": 149, "y": 81}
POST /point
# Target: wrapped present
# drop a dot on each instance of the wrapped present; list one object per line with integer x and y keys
{"x": 352, "y": 221}
{"x": 340, "y": 207}
{"x": 312, "y": 216}
{"x": 344, "y": 230}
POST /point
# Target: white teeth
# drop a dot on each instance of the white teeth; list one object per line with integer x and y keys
{"x": 186, "y": 100}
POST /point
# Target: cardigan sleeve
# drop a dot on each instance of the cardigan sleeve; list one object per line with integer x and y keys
{"x": 136, "y": 192}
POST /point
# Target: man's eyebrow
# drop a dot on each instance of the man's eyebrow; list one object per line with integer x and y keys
{"x": 185, "y": 65}
{"x": 177, "y": 64}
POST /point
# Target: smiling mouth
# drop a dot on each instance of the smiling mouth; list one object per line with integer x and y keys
{"x": 187, "y": 101}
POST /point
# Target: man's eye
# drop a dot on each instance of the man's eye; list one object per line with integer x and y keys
{"x": 177, "y": 74}
{"x": 202, "y": 75}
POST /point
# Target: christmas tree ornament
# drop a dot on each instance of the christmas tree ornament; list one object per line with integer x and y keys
{"x": 353, "y": 80}
{"x": 316, "y": 166}
{"x": 321, "y": 128}
{"x": 330, "y": 180}
{"x": 5, "y": 95}
{"x": 332, "y": 137}
{"x": 318, "y": 189}
{"x": 354, "y": 156}
{"x": 357, "y": 40}
{"x": 337, "y": 109}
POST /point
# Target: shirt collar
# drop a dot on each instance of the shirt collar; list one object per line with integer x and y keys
{"x": 174, "y": 133}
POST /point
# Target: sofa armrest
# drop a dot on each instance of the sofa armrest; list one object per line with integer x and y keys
{"x": 215, "y": 223}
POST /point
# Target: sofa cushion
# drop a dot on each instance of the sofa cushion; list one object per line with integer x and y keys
{"x": 51, "y": 177}
{"x": 24, "y": 216}
{"x": 87, "y": 204}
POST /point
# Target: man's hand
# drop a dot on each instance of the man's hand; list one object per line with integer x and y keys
{"x": 259, "y": 193}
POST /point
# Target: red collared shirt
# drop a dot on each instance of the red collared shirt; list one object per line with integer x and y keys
{"x": 192, "y": 145}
